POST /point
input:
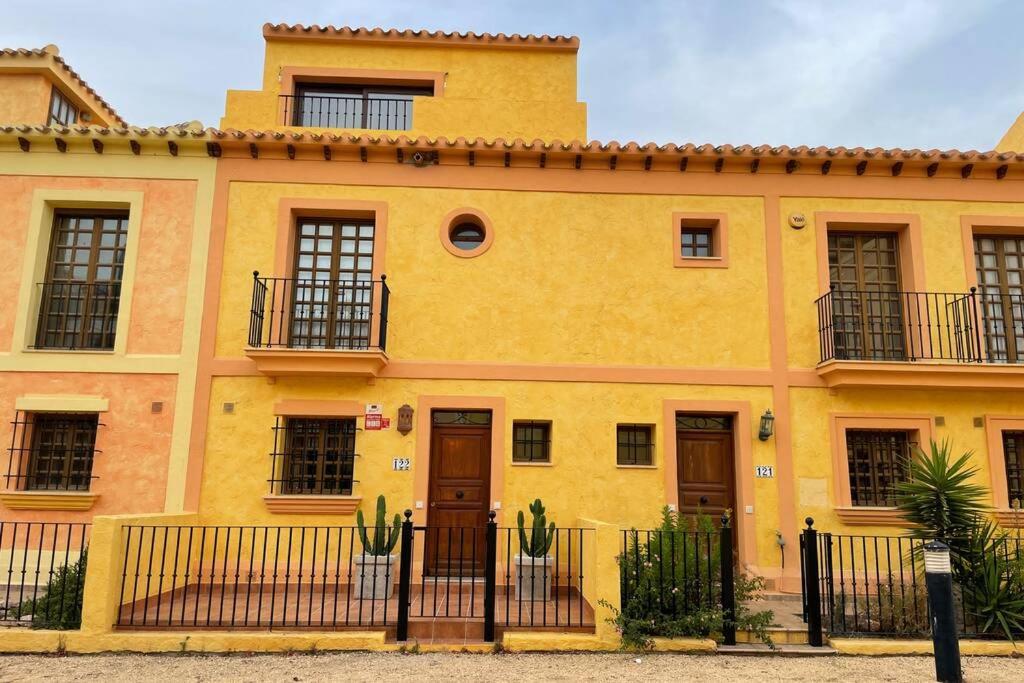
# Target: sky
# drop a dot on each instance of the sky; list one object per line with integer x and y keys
{"x": 872, "y": 73}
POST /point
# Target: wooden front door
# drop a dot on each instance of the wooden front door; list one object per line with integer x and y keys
{"x": 867, "y": 310}
{"x": 460, "y": 483}
{"x": 705, "y": 465}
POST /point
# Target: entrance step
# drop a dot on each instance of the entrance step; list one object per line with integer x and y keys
{"x": 780, "y": 636}
{"x": 781, "y": 650}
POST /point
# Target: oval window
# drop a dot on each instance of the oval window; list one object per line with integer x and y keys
{"x": 466, "y": 236}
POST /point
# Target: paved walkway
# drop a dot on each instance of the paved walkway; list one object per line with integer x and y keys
{"x": 505, "y": 667}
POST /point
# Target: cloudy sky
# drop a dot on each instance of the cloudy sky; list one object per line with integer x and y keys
{"x": 890, "y": 73}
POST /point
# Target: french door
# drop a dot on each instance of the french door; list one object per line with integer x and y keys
{"x": 1000, "y": 267}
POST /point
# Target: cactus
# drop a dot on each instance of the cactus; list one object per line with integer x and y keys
{"x": 382, "y": 543}
{"x": 540, "y": 538}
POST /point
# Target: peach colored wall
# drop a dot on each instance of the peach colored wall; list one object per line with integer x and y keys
{"x": 164, "y": 241}
{"x": 134, "y": 442}
{"x": 26, "y": 98}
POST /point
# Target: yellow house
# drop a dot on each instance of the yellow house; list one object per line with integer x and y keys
{"x": 422, "y": 283}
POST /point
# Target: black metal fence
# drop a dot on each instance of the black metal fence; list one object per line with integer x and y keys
{"x": 875, "y": 585}
{"x": 77, "y": 315}
{"x": 319, "y": 314}
{"x": 42, "y": 573}
{"x": 324, "y": 578}
{"x": 384, "y": 112}
{"x": 670, "y": 575}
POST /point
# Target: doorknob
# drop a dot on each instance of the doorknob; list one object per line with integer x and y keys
{"x": 459, "y": 494}
{"x": 703, "y": 500}
{"x": 433, "y": 504}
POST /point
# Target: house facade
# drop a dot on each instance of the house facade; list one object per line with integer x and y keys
{"x": 399, "y": 269}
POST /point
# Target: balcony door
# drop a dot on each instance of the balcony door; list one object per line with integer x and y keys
{"x": 332, "y": 294}
{"x": 867, "y": 312}
{"x": 1000, "y": 267}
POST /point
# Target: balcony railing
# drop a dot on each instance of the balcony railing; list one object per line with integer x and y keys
{"x": 383, "y": 112}
{"x": 973, "y": 327}
{"x": 77, "y": 315}
{"x": 293, "y": 313}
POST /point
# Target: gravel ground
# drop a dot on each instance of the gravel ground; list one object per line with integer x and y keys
{"x": 478, "y": 667}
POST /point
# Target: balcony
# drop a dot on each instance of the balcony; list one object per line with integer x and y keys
{"x": 377, "y": 112}
{"x": 871, "y": 338}
{"x": 318, "y": 327}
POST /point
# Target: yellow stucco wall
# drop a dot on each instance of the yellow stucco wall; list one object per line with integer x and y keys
{"x": 25, "y": 99}
{"x": 488, "y": 91}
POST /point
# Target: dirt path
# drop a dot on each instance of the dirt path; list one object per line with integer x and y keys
{"x": 440, "y": 668}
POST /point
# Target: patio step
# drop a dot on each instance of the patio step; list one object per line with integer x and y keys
{"x": 781, "y": 650}
{"x": 780, "y": 636}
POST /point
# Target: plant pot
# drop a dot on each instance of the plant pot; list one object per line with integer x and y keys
{"x": 373, "y": 579}
{"x": 533, "y": 578}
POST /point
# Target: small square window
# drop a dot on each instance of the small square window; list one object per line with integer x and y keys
{"x": 696, "y": 242}
{"x": 700, "y": 240}
{"x": 634, "y": 444}
{"x": 877, "y": 463}
{"x": 531, "y": 441}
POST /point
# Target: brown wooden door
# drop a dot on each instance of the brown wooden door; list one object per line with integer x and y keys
{"x": 867, "y": 310}
{"x": 707, "y": 481}
{"x": 460, "y": 482}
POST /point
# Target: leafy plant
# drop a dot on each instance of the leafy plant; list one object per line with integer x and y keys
{"x": 671, "y": 585}
{"x": 60, "y": 605}
{"x": 383, "y": 542}
{"x": 540, "y": 538}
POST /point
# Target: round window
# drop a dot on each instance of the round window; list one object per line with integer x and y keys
{"x": 466, "y": 236}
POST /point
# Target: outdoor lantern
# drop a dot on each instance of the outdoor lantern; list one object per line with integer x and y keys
{"x": 405, "y": 419}
{"x": 766, "y": 425}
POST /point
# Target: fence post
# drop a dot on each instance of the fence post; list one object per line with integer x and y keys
{"x": 728, "y": 584}
{"x": 812, "y": 583}
{"x": 404, "y": 578}
{"x": 490, "y": 569}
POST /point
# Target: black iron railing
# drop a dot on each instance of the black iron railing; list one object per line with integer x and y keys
{"x": 77, "y": 315}
{"x": 319, "y": 314}
{"x": 875, "y": 585}
{"x": 972, "y": 327}
{"x": 42, "y": 573}
{"x": 670, "y": 575}
{"x": 322, "y": 577}
{"x": 52, "y": 451}
{"x": 384, "y": 112}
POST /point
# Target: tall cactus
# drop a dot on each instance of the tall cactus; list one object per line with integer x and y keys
{"x": 383, "y": 543}
{"x": 539, "y": 542}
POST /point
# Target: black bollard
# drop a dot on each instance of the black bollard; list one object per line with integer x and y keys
{"x": 939, "y": 580}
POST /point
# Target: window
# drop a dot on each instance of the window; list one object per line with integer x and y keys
{"x": 62, "y": 112}
{"x": 314, "y": 456}
{"x": 877, "y": 461}
{"x": 531, "y": 441}
{"x": 1013, "y": 451}
{"x": 333, "y": 290}
{"x": 467, "y": 236}
{"x": 52, "y": 451}
{"x": 328, "y": 105}
{"x": 1000, "y": 267}
{"x": 79, "y": 300}
{"x": 634, "y": 444}
{"x": 696, "y": 243}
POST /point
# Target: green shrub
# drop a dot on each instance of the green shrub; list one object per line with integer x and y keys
{"x": 60, "y": 605}
{"x": 671, "y": 585}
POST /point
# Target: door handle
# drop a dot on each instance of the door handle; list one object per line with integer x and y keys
{"x": 703, "y": 500}
{"x": 459, "y": 494}
{"x": 433, "y": 504}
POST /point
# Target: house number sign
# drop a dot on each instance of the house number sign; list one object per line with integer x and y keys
{"x": 764, "y": 471}
{"x": 400, "y": 464}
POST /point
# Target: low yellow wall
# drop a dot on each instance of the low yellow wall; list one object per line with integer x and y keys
{"x": 890, "y": 647}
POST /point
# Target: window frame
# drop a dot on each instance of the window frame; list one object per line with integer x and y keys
{"x": 875, "y": 494}
{"x": 714, "y": 223}
{"x": 287, "y": 456}
{"x": 65, "y": 105}
{"x": 76, "y": 463}
{"x": 544, "y": 443}
{"x": 633, "y": 445}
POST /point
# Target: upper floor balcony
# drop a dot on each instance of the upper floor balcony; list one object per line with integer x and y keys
{"x": 303, "y": 326}
{"x": 864, "y": 332}
{"x": 352, "y": 107}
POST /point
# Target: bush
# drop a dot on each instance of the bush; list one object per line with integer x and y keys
{"x": 60, "y": 605}
{"x": 671, "y": 585}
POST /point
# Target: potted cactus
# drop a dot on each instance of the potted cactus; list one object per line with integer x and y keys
{"x": 533, "y": 564}
{"x": 374, "y": 566}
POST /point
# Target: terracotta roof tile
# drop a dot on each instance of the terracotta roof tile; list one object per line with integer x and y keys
{"x": 376, "y": 34}
{"x": 42, "y": 52}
